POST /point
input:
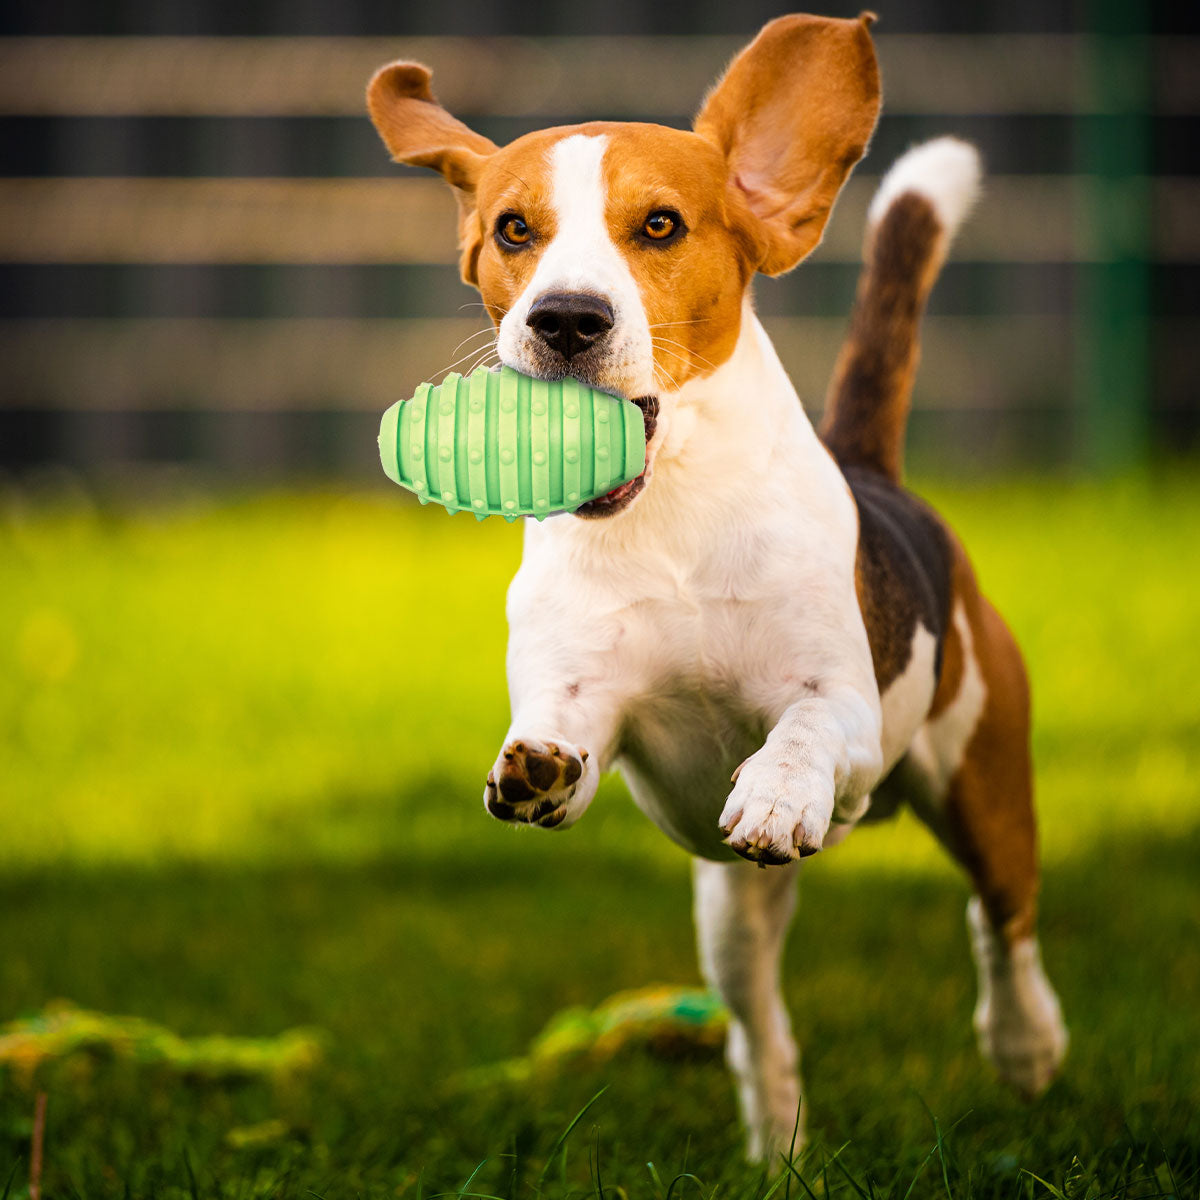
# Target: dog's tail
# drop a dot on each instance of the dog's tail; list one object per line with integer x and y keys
{"x": 919, "y": 205}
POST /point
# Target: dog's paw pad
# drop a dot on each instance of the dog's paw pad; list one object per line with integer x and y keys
{"x": 532, "y": 782}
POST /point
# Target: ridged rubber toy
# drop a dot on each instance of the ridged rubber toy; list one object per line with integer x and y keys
{"x": 499, "y": 443}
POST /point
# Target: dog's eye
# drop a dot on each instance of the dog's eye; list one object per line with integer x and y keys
{"x": 662, "y": 226}
{"x": 512, "y": 231}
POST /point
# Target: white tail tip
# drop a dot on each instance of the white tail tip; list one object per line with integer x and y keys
{"x": 946, "y": 171}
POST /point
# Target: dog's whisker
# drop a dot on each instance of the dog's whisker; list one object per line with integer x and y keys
{"x": 489, "y": 352}
{"x": 496, "y": 311}
{"x": 475, "y": 337}
{"x": 664, "y": 342}
{"x": 673, "y": 354}
{"x": 475, "y": 365}
{"x": 489, "y": 332}
{"x": 467, "y": 351}
{"x": 669, "y": 378}
{"x": 663, "y": 371}
{"x": 462, "y": 358}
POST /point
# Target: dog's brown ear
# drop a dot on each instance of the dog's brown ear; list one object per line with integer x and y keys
{"x": 792, "y": 115}
{"x": 418, "y": 131}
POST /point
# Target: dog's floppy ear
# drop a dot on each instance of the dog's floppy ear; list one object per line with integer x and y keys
{"x": 418, "y": 131}
{"x": 792, "y": 115}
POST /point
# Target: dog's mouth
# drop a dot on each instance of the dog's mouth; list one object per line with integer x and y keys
{"x": 622, "y": 496}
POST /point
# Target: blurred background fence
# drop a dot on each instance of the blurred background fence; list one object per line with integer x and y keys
{"x": 207, "y": 260}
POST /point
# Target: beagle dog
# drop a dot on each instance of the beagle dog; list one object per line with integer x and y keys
{"x": 767, "y": 635}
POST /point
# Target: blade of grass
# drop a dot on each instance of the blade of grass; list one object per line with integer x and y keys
{"x": 787, "y": 1191}
{"x": 800, "y": 1178}
{"x": 1166, "y": 1162}
{"x": 852, "y": 1181}
{"x": 1048, "y": 1186}
{"x": 774, "y": 1187}
{"x": 594, "y": 1165}
{"x": 940, "y": 1143}
{"x": 462, "y": 1191}
{"x": 784, "y": 1175}
{"x": 562, "y": 1137}
{"x": 685, "y": 1175}
{"x": 653, "y": 1175}
{"x": 934, "y": 1148}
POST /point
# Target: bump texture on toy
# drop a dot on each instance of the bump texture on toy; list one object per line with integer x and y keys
{"x": 497, "y": 442}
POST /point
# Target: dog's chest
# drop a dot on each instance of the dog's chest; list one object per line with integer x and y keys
{"x": 677, "y": 752}
{"x": 710, "y": 669}
{"x": 742, "y": 626}
{"x": 699, "y": 635}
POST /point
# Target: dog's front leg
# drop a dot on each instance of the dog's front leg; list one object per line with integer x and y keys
{"x": 566, "y": 704}
{"x": 818, "y": 764}
{"x": 572, "y": 666}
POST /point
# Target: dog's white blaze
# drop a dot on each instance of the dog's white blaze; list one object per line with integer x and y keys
{"x": 582, "y": 258}
{"x": 939, "y": 746}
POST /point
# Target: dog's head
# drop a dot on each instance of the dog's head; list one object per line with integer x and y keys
{"x": 619, "y": 253}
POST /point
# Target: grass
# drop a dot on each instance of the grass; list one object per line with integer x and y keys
{"x": 241, "y": 746}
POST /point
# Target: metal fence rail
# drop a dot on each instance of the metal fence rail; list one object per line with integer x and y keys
{"x": 560, "y": 77}
{"x": 1035, "y": 362}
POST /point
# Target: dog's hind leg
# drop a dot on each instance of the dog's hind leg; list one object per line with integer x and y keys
{"x": 742, "y": 915}
{"x": 983, "y": 812}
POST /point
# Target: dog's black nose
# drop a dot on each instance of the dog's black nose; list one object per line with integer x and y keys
{"x": 570, "y": 322}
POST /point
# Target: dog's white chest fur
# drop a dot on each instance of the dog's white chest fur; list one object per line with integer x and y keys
{"x": 701, "y": 615}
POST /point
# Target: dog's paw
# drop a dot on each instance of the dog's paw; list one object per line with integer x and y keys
{"x": 532, "y": 782}
{"x": 1026, "y": 1047}
{"x": 1018, "y": 1019}
{"x": 774, "y": 814}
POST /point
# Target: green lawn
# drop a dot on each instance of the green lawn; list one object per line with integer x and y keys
{"x": 242, "y": 744}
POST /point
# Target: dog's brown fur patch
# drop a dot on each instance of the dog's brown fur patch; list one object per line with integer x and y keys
{"x": 868, "y": 399}
{"x": 902, "y": 572}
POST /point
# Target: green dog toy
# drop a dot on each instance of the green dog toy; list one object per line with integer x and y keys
{"x": 669, "y": 1022}
{"x": 497, "y": 442}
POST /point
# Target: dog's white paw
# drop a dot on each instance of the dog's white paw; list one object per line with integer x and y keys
{"x": 533, "y": 782}
{"x": 1026, "y": 1045}
{"x": 774, "y": 813}
{"x": 1018, "y": 1020}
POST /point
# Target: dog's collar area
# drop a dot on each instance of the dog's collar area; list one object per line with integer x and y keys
{"x": 621, "y": 497}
